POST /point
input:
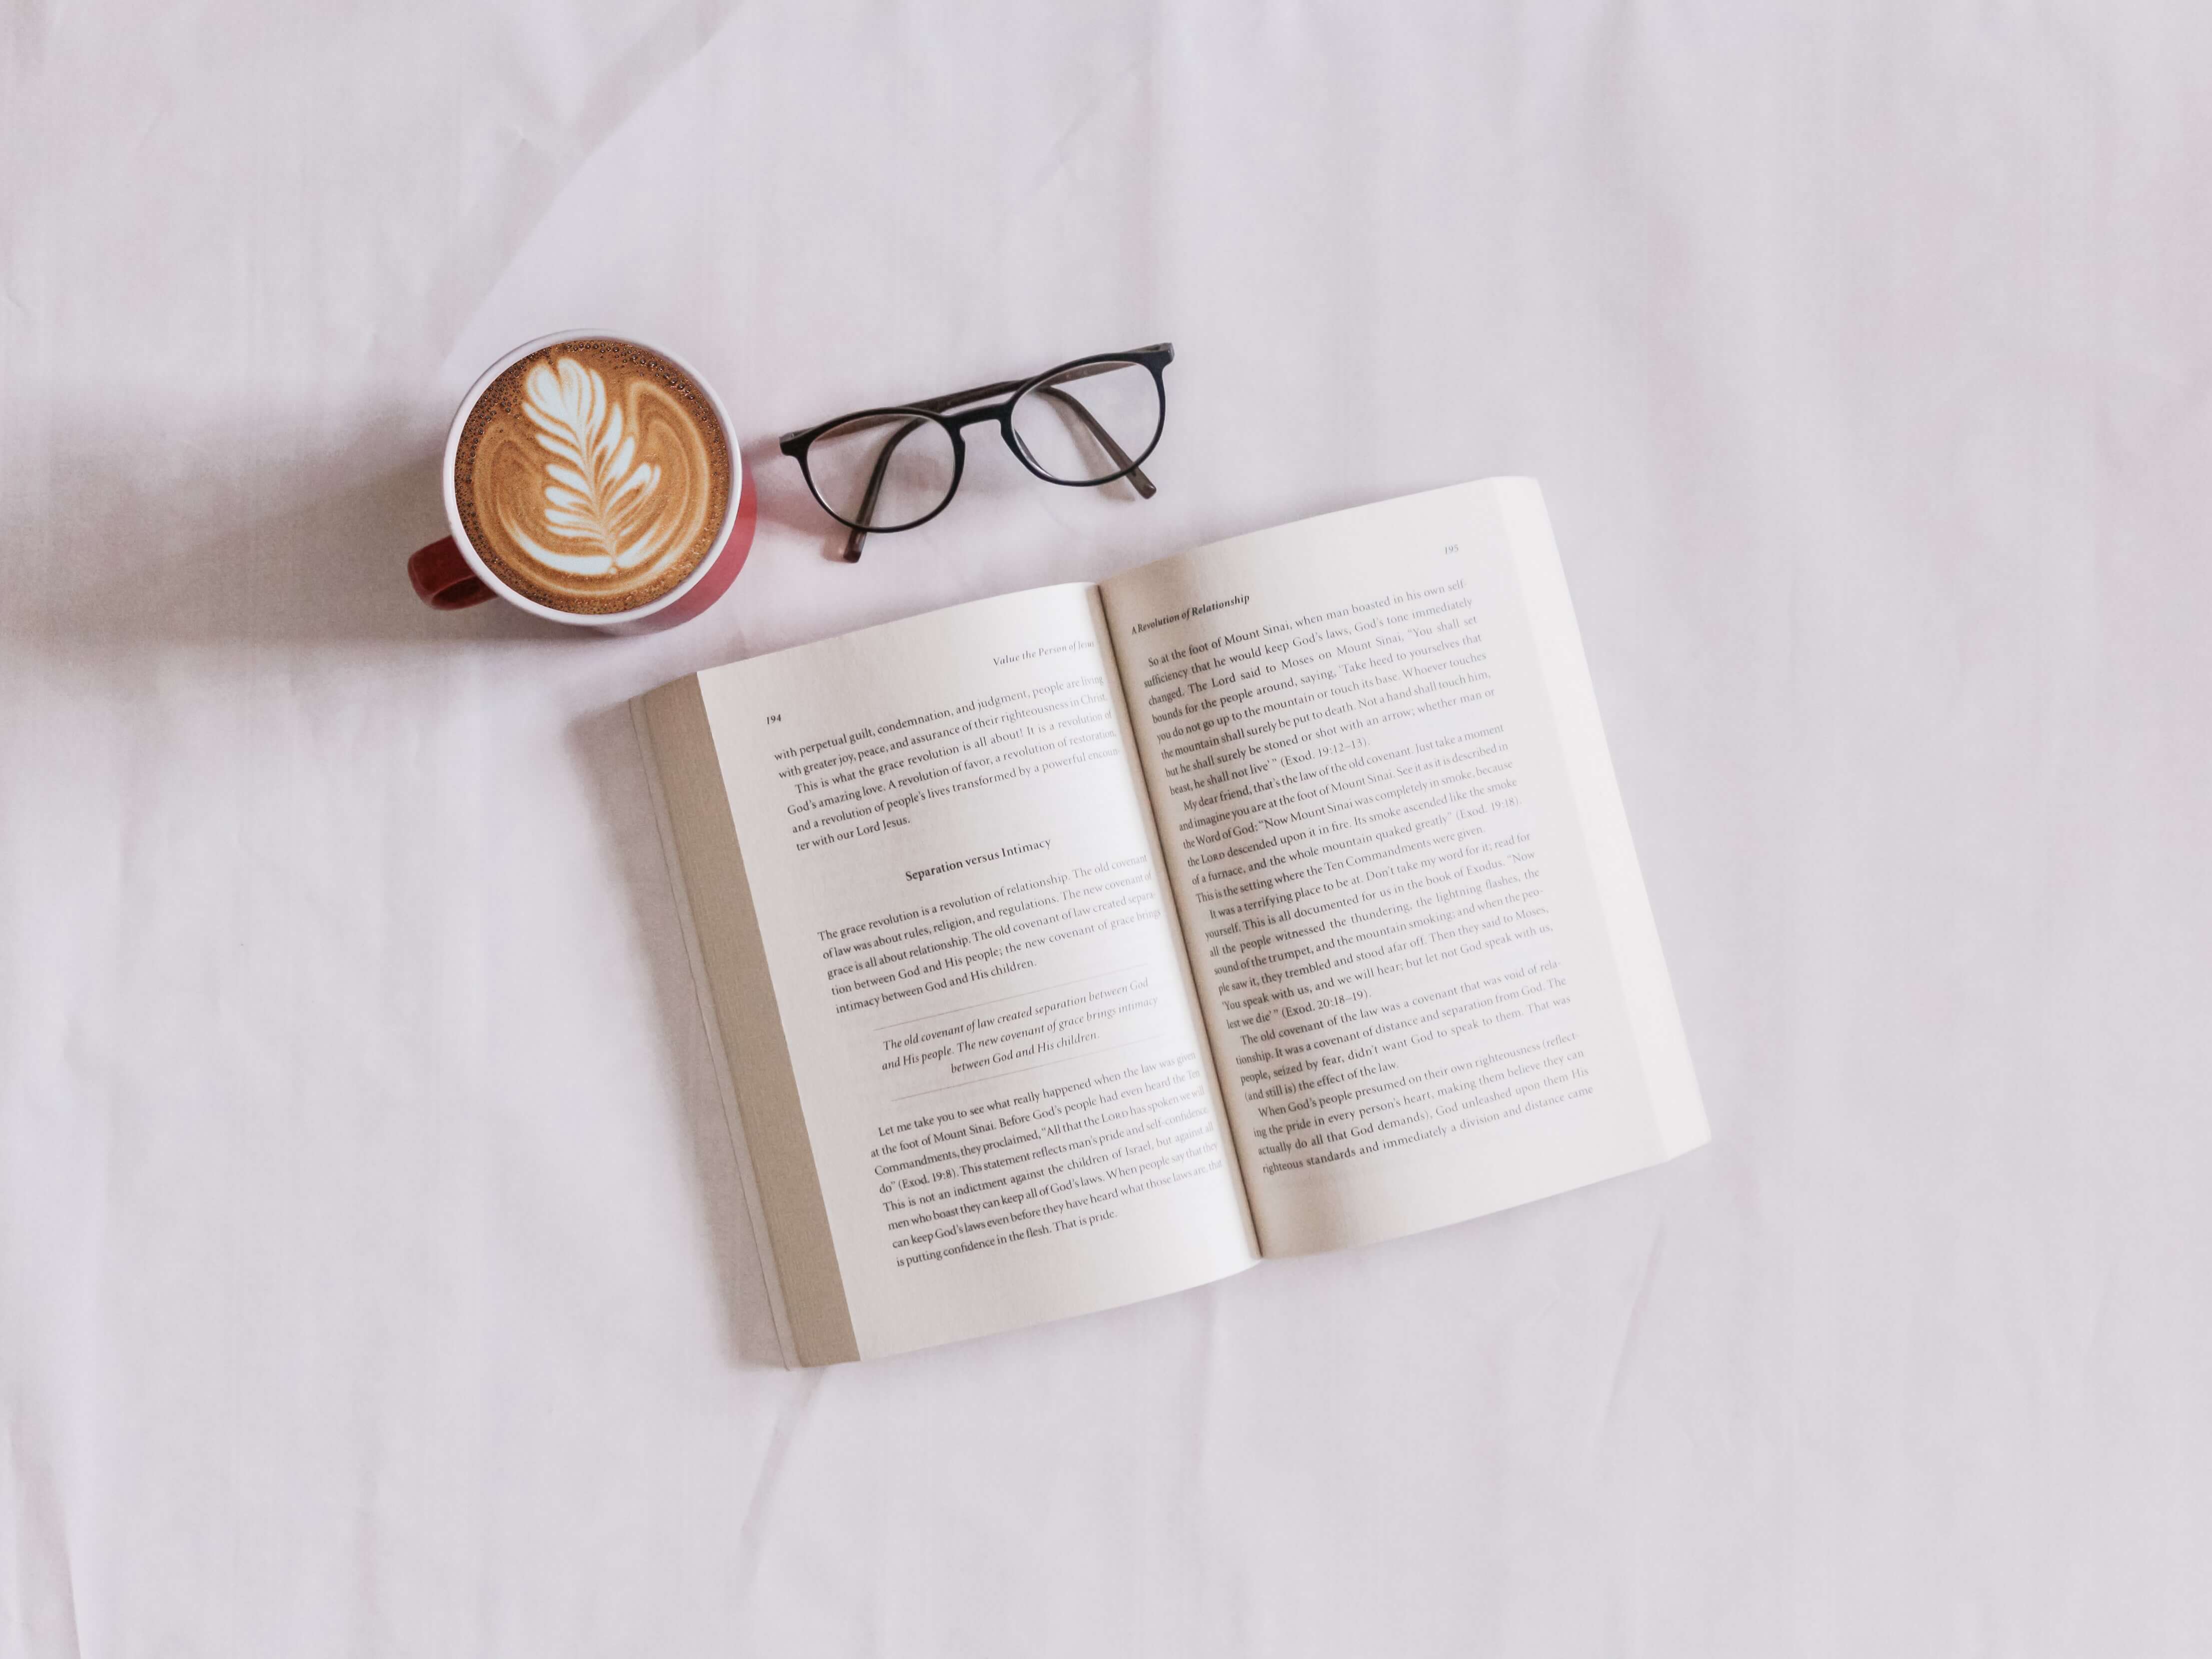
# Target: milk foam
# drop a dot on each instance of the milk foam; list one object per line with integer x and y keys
{"x": 593, "y": 477}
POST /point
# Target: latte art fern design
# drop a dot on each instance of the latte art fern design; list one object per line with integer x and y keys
{"x": 597, "y": 489}
{"x": 594, "y": 475}
{"x": 599, "y": 497}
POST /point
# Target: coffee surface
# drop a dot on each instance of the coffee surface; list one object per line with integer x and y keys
{"x": 593, "y": 475}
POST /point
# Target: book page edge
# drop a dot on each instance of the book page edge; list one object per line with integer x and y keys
{"x": 732, "y": 1123}
{"x": 831, "y": 1312}
{"x": 1677, "y": 1103}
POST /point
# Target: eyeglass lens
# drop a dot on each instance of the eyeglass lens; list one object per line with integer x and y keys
{"x": 1090, "y": 422}
{"x": 885, "y": 471}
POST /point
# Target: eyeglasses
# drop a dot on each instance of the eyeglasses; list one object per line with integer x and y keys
{"x": 883, "y": 470}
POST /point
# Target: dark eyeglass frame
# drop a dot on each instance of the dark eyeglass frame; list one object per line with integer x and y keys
{"x": 940, "y": 411}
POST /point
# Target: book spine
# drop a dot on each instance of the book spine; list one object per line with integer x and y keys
{"x": 772, "y": 1278}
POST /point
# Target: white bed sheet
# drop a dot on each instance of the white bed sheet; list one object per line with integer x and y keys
{"x": 375, "y": 1276}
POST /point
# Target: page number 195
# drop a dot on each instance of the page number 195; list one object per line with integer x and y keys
{"x": 1451, "y": 547}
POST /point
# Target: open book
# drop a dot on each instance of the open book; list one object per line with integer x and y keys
{"x": 1092, "y": 943}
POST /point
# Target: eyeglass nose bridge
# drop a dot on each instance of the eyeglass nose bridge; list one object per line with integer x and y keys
{"x": 1000, "y": 414}
{"x": 958, "y": 419}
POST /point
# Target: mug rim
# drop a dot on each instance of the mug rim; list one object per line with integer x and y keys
{"x": 587, "y": 618}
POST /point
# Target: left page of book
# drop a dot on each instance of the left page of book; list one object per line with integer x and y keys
{"x": 998, "y": 1056}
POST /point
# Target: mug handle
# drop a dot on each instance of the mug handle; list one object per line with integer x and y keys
{"x": 442, "y": 577}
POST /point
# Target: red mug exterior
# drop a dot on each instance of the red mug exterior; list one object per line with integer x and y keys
{"x": 447, "y": 575}
{"x": 442, "y": 577}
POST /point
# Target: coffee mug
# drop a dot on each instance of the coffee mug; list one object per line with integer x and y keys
{"x": 593, "y": 480}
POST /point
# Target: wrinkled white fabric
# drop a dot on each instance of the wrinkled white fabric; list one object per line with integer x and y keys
{"x": 375, "y": 1276}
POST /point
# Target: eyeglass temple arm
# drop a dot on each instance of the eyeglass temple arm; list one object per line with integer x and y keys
{"x": 953, "y": 399}
{"x": 854, "y": 542}
{"x": 1144, "y": 486}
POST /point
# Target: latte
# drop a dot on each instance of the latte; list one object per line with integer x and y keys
{"x": 593, "y": 475}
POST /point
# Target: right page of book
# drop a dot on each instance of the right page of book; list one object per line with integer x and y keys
{"x": 1422, "y": 944}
